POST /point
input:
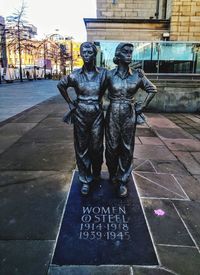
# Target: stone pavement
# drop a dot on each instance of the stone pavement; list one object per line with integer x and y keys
{"x": 36, "y": 163}
{"x": 17, "y": 97}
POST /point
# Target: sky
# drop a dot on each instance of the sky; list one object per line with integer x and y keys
{"x": 65, "y": 16}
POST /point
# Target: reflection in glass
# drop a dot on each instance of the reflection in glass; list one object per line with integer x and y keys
{"x": 156, "y": 57}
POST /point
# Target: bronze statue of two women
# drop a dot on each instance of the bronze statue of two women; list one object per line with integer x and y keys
{"x": 90, "y": 83}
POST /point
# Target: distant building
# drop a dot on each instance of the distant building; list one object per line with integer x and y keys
{"x": 139, "y": 20}
{"x": 3, "y": 57}
{"x": 28, "y": 31}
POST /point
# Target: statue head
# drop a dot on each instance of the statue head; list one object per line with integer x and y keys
{"x": 89, "y": 45}
{"x": 88, "y": 52}
{"x": 118, "y": 51}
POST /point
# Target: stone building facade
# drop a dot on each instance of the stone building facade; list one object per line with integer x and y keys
{"x": 185, "y": 20}
{"x": 141, "y": 20}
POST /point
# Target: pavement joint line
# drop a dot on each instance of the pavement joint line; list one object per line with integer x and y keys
{"x": 155, "y": 132}
{"x": 190, "y": 234}
{"x": 159, "y": 185}
{"x": 147, "y": 160}
{"x": 163, "y": 198}
{"x": 140, "y": 164}
{"x": 157, "y": 173}
{"x": 174, "y": 245}
{"x": 147, "y": 223}
{"x": 28, "y": 240}
{"x": 131, "y": 269}
{"x": 180, "y": 186}
{"x": 169, "y": 270}
{"x": 182, "y": 162}
{"x": 153, "y": 167}
{"x": 147, "y": 266}
{"x": 61, "y": 219}
{"x": 156, "y": 267}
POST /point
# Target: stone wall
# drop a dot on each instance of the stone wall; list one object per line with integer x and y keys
{"x": 185, "y": 20}
{"x": 125, "y": 31}
{"x": 131, "y": 9}
{"x": 174, "y": 97}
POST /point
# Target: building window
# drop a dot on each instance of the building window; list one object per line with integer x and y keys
{"x": 156, "y": 57}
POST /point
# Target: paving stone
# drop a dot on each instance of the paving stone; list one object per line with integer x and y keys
{"x": 197, "y": 177}
{"x": 25, "y": 257}
{"x": 184, "y": 126}
{"x": 156, "y": 120}
{"x": 144, "y": 125}
{"x": 188, "y": 161}
{"x": 153, "y": 152}
{"x": 194, "y": 118}
{"x": 168, "y": 228}
{"x": 189, "y": 211}
{"x": 57, "y": 121}
{"x": 172, "y": 133}
{"x": 183, "y": 144}
{"x": 16, "y": 129}
{"x": 151, "y": 140}
{"x": 29, "y": 118}
{"x": 144, "y": 132}
{"x": 31, "y": 204}
{"x": 196, "y": 155}
{"x": 170, "y": 167}
{"x": 193, "y": 131}
{"x": 158, "y": 186}
{"x": 137, "y": 140}
{"x": 6, "y": 142}
{"x": 48, "y": 134}
{"x": 197, "y": 136}
{"x": 190, "y": 185}
{"x": 181, "y": 260}
{"x": 90, "y": 270}
{"x": 44, "y": 108}
{"x": 150, "y": 271}
{"x": 39, "y": 156}
{"x": 25, "y": 96}
{"x": 143, "y": 165}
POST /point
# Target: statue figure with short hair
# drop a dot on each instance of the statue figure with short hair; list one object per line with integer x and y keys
{"x": 86, "y": 113}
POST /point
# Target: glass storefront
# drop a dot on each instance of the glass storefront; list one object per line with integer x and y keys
{"x": 155, "y": 57}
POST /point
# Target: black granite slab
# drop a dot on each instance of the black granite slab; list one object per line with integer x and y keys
{"x": 103, "y": 229}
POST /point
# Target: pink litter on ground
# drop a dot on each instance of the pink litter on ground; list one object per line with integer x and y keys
{"x": 159, "y": 212}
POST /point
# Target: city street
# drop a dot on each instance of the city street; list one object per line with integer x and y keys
{"x": 36, "y": 165}
{"x": 16, "y": 97}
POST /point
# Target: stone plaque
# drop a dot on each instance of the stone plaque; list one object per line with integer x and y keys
{"x": 103, "y": 229}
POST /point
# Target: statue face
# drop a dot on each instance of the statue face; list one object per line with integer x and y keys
{"x": 87, "y": 54}
{"x": 125, "y": 55}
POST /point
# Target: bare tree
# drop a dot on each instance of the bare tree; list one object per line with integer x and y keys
{"x": 16, "y": 33}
